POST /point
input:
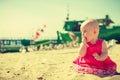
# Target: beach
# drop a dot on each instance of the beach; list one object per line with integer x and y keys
{"x": 53, "y": 64}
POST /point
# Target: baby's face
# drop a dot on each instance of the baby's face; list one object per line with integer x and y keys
{"x": 87, "y": 33}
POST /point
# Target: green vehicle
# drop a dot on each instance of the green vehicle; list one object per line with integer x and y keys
{"x": 10, "y": 45}
{"x": 14, "y": 45}
{"x": 106, "y": 31}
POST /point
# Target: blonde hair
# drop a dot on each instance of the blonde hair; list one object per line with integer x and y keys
{"x": 91, "y": 23}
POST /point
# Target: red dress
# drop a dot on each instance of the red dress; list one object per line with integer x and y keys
{"x": 88, "y": 64}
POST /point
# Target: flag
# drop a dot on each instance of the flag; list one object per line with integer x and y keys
{"x": 37, "y": 33}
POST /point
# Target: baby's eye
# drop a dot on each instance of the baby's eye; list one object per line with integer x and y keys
{"x": 85, "y": 31}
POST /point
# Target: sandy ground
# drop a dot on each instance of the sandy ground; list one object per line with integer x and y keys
{"x": 48, "y": 65}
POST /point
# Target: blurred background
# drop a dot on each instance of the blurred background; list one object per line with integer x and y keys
{"x": 26, "y": 22}
{"x": 21, "y": 18}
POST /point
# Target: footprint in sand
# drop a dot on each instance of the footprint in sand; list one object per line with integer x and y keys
{"x": 40, "y": 78}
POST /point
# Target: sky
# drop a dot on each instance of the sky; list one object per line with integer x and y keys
{"x": 21, "y": 18}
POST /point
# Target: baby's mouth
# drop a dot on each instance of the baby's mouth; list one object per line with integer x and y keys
{"x": 86, "y": 38}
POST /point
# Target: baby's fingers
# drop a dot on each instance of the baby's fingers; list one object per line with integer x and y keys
{"x": 95, "y": 55}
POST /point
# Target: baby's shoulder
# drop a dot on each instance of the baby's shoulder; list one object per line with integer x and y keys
{"x": 99, "y": 41}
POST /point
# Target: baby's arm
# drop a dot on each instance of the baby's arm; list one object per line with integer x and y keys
{"x": 104, "y": 53}
{"x": 82, "y": 51}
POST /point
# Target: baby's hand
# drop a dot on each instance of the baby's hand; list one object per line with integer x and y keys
{"x": 96, "y": 56}
{"x": 84, "y": 40}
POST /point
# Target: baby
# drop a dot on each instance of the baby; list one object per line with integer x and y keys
{"x": 93, "y": 54}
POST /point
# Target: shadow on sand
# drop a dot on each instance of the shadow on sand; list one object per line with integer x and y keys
{"x": 115, "y": 77}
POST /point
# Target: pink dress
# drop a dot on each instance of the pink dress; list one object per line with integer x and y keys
{"x": 88, "y": 64}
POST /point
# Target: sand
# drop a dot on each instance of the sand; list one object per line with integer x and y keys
{"x": 49, "y": 65}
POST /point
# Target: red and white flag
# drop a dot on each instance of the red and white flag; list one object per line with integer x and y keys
{"x": 37, "y": 34}
{"x": 39, "y": 31}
